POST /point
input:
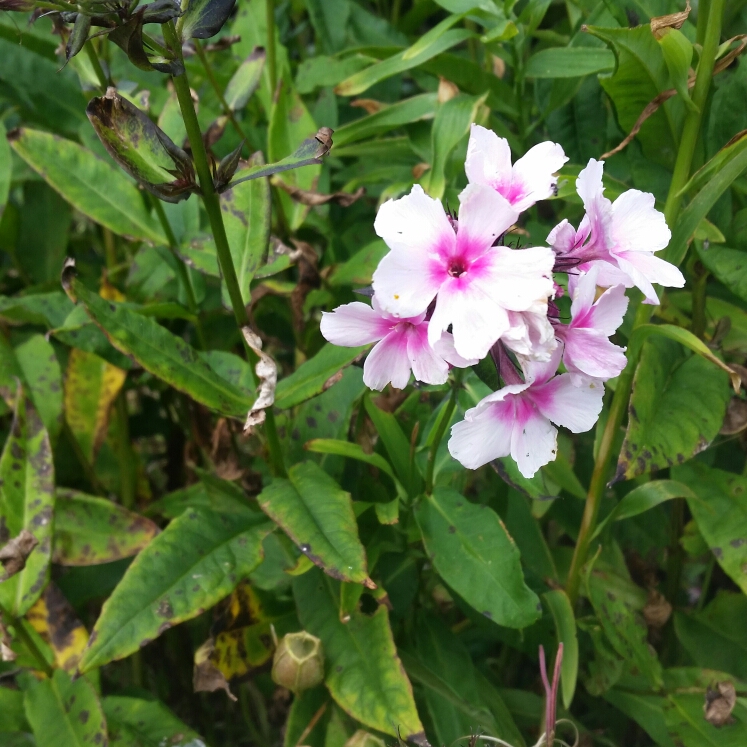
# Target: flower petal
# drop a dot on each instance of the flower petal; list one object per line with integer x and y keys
{"x": 590, "y": 352}
{"x": 483, "y": 216}
{"x": 608, "y": 312}
{"x": 406, "y": 282}
{"x": 534, "y": 440}
{"x": 354, "y": 324}
{"x": 644, "y": 269}
{"x": 388, "y": 362}
{"x": 589, "y": 183}
{"x": 445, "y": 348}
{"x": 485, "y": 436}
{"x": 488, "y": 157}
{"x": 574, "y": 407}
{"x": 636, "y": 225}
{"x": 427, "y": 365}
{"x": 535, "y": 172}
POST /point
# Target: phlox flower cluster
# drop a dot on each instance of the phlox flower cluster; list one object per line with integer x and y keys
{"x": 451, "y": 292}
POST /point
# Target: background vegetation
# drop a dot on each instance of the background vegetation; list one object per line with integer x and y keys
{"x": 123, "y": 394}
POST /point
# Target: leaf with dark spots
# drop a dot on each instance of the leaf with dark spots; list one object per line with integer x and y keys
{"x": 364, "y": 673}
{"x": 245, "y": 80}
{"x": 65, "y": 712}
{"x": 128, "y": 37}
{"x": 197, "y": 557}
{"x": 91, "y": 530}
{"x": 27, "y": 480}
{"x": 203, "y": 18}
{"x": 315, "y": 512}
{"x": 662, "y": 431}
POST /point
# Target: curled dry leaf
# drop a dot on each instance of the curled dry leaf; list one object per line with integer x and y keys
{"x": 446, "y": 90}
{"x": 267, "y": 373}
{"x": 207, "y": 678}
{"x": 657, "y": 609}
{"x": 6, "y": 652}
{"x": 735, "y": 420}
{"x": 719, "y": 703}
{"x": 419, "y": 169}
{"x": 14, "y": 554}
{"x": 660, "y": 24}
{"x": 313, "y": 199}
{"x": 67, "y": 276}
{"x": 370, "y": 106}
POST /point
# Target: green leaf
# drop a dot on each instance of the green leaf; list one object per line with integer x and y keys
{"x": 318, "y": 516}
{"x": 678, "y": 54}
{"x": 12, "y": 717}
{"x": 640, "y": 76}
{"x": 569, "y": 62}
{"x": 6, "y": 168}
{"x": 364, "y": 673}
{"x": 646, "y": 710}
{"x": 91, "y": 386}
{"x": 141, "y": 148}
{"x": 163, "y": 354}
{"x": 390, "y": 117}
{"x": 622, "y": 625}
{"x": 44, "y": 309}
{"x": 134, "y": 722}
{"x": 202, "y": 19}
{"x": 90, "y": 530}
{"x": 422, "y": 51}
{"x": 565, "y": 628}
{"x": 661, "y": 432}
{"x": 359, "y": 269}
{"x": 728, "y": 265}
{"x": 716, "y": 636}
{"x": 474, "y": 554}
{"x": 63, "y": 713}
{"x": 195, "y": 562}
{"x": 721, "y": 515}
{"x": 92, "y": 186}
{"x": 643, "y": 498}
{"x": 246, "y": 212}
{"x": 310, "y": 378}
{"x": 451, "y": 124}
{"x": 245, "y": 80}
{"x": 526, "y": 531}
{"x": 351, "y": 451}
{"x": 720, "y": 172}
{"x": 26, "y": 502}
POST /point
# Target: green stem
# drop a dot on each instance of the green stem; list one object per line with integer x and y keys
{"x": 270, "y": 48}
{"x": 619, "y": 405}
{"x": 215, "y": 216}
{"x": 126, "y": 461}
{"x": 184, "y": 274}
{"x": 441, "y": 427}
{"x": 96, "y": 64}
{"x": 227, "y": 111}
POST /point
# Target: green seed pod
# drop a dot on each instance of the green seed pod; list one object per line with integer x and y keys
{"x": 78, "y": 36}
{"x": 299, "y": 662}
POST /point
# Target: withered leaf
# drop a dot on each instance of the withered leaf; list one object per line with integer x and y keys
{"x": 735, "y": 420}
{"x": 313, "y": 199}
{"x": 719, "y": 703}
{"x": 207, "y": 678}
{"x": 13, "y": 555}
{"x": 267, "y": 373}
{"x": 657, "y": 610}
{"x": 660, "y": 24}
{"x": 6, "y": 652}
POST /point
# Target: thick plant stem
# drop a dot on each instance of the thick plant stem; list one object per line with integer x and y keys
{"x": 271, "y": 52}
{"x": 96, "y": 64}
{"x": 212, "y": 207}
{"x": 184, "y": 274}
{"x": 683, "y": 164}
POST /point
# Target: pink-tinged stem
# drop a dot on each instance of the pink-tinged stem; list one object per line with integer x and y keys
{"x": 551, "y": 692}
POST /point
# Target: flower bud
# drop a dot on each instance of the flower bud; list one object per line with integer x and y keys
{"x": 299, "y": 662}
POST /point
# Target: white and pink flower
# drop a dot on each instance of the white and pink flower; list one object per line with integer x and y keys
{"x": 402, "y": 345}
{"x": 476, "y": 284}
{"x": 587, "y": 349}
{"x": 519, "y": 420}
{"x": 530, "y": 179}
{"x": 619, "y": 237}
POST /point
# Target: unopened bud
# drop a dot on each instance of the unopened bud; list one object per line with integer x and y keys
{"x": 299, "y": 662}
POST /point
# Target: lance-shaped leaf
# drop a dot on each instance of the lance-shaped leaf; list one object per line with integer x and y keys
{"x": 195, "y": 562}
{"x": 93, "y": 186}
{"x": 163, "y": 354}
{"x": 318, "y": 516}
{"x": 203, "y": 18}
{"x": 63, "y": 713}
{"x": 474, "y": 554}
{"x": 142, "y": 148}
{"x": 78, "y": 35}
{"x": 134, "y": 722}
{"x": 245, "y": 80}
{"x": 26, "y": 502}
{"x": 128, "y": 37}
{"x": 90, "y": 530}
{"x": 363, "y": 671}
{"x": 309, "y": 153}
{"x": 91, "y": 386}
{"x": 55, "y": 620}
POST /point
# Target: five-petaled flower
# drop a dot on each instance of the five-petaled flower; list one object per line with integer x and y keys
{"x": 475, "y": 283}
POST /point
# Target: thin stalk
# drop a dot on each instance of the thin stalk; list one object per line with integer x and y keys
{"x": 270, "y": 47}
{"x": 96, "y": 64}
{"x": 126, "y": 461}
{"x": 443, "y": 424}
{"x": 215, "y": 216}
{"x": 619, "y": 405}
{"x": 184, "y": 274}
{"x": 110, "y": 248}
{"x": 218, "y": 92}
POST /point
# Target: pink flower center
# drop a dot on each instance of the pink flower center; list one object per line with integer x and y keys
{"x": 457, "y": 267}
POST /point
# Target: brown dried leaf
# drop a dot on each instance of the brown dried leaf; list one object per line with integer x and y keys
{"x": 499, "y": 66}
{"x": 657, "y": 609}
{"x": 419, "y": 169}
{"x": 719, "y": 703}
{"x": 207, "y": 678}
{"x": 14, "y": 554}
{"x": 6, "y": 652}
{"x": 267, "y": 373}
{"x": 313, "y": 199}
{"x": 660, "y": 24}
{"x": 370, "y": 106}
{"x": 735, "y": 420}
{"x": 446, "y": 90}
